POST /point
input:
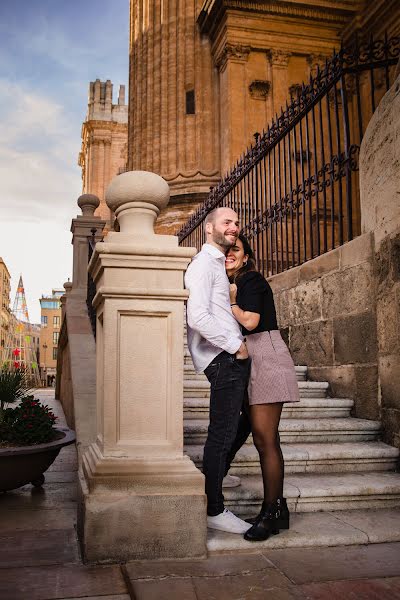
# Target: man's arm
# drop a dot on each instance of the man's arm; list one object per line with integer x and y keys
{"x": 199, "y": 282}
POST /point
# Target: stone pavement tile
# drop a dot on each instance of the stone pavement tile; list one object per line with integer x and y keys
{"x": 32, "y": 548}
{"x": 25, "y": 519}
{"x": 361, "y": 589}
{"x": 119, "y": 597}
{"x": 366, "y": 520}
{"x": 51, "y": 495}
{"x": 223, "y": 564}
{"x": 255, "y": 586}
{"x": 164, "y": 589}
{"x": 60, "y": 476}
{"x": 323, "y": 564}
{"x": 55, "y": 582}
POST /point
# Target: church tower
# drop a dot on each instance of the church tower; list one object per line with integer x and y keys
{"x": 104, "y": 142}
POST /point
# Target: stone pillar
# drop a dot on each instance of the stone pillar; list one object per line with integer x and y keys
{"x": 380, "y": 214}
{"x": 141, "y": 498}
{"x": 279, "y": 60}
{"x": 81, "y": 229}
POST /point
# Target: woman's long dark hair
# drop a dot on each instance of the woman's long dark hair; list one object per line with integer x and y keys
{"x": 251, "y": 263}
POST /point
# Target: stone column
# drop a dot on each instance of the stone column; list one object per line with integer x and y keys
{"x": 81, "y": 229}
{"x": 141, "y": 498}
{"x": 279, "y": 60}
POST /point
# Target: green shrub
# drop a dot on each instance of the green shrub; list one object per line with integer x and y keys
{"x": 29, "y": 423}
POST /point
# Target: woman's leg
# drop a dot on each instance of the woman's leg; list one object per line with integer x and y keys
{"x": 264, "y": 424}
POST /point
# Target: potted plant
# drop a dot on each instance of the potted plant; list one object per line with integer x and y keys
{"x": 29, "y": 440}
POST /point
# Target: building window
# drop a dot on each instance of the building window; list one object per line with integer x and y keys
{"x": 44, "y": 320}
{"x": 54, "y": 353}
{"x": 56, "y": 321}
{"x": 55, "y": 337}
{"x": 190, "y": 103}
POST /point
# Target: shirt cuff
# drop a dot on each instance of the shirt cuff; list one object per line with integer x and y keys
{"x": 233, "y": 346}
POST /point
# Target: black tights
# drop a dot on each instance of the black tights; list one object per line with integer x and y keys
{"x": 264, "y": 424}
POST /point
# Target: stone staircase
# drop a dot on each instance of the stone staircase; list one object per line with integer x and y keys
{"x": 333, "y": 462}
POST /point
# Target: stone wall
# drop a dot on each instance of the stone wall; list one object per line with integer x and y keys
{"x": 327, "y": 314}
{"x": 380, "y": 210}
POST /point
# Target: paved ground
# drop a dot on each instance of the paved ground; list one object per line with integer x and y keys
{"x": 39, "y": 559}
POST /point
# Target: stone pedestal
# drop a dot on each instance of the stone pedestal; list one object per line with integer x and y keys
{"x": 141, "y": 498}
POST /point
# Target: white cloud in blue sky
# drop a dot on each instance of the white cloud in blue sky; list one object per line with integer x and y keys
{"x": 49, "y": 52}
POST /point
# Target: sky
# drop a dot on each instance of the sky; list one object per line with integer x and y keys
{"x": 49, "y": 52}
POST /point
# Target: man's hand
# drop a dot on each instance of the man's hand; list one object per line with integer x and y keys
{"x": 242, "y": 353}
{"x": 232, "y": 292}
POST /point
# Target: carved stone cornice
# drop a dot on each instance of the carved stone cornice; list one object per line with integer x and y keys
{"x": 278, "y": 57}
{"x": 212, "y": 13}
{"x": 259, "y": 89}
{"x": 232, "y": 52}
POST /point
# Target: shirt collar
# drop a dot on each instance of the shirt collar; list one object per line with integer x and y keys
{"x": 210, "y": 249}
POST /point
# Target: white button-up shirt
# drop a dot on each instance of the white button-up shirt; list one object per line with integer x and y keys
{"x": 212, "y": 327}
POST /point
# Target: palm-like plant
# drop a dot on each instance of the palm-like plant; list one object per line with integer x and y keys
{"x": 13, "y": 387}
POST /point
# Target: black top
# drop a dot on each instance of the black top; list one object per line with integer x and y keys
{"x": 255, "y": 295}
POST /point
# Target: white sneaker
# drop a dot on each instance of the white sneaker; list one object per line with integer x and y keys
{"x": 230, "y": 481}
{"x": 227, "y": 521}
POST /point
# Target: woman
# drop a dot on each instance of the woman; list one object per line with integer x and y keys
{"x": 272, "y": 380}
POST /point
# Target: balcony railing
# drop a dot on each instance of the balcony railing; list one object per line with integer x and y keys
{"x": 296, "y": 189}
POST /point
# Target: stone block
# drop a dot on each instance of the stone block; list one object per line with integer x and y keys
{"x": 389, "y": 375}
{"x": 354, "y": 339}
{"x": 326, "y": 263}
{"x": 305, "y": 302}
{"x": 286, "y": 280}
{"x": 346, "y": 291}
{"x": 114, "y": 520}
{"x": 312, "y": 343}
{"x": 391, "y": 426}
{"x": 388, "y": 320}
{"x": 360, "y": 383}
{"x": 282, "y": 305}
{"x": 359, "y": 250}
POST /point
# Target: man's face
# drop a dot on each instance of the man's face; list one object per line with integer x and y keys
{"x": 225, "y": 229}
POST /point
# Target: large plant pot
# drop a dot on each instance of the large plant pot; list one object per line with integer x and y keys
{"x": 20, "y": 465}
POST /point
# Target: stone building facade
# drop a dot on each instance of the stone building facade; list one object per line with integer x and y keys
{"x": 50, "y": 307}
{"x": 5, "y": 311}
{"x": 104, "y": 142}
{"x": 206, "y": 76}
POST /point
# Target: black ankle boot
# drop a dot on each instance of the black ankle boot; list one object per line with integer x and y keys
{"x": 266, "y": 523}
{"x": 284, "y": 519}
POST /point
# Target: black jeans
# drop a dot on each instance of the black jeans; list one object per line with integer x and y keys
{"x": 228, "y": 378}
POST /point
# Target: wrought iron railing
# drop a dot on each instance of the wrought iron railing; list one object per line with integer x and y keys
{"x": 91, "y": 286}
{"x": 296, "y": 189}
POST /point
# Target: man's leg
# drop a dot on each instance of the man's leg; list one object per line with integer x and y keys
{"x": 228, "y": 378}
{"x": 243, "y": 432}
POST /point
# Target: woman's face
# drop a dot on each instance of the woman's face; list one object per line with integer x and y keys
{"x": 235, "y": 258}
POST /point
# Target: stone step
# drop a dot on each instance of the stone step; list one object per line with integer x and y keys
{"x": 319, "y": 529}
{"x": 320, "y": 492}
{"x": 314, "y": 458}
{"x": 301, "y": 430}
{"x": 193, "y": 388}
{"x": 190, "y": 374}
{"x": 309, "y": 408}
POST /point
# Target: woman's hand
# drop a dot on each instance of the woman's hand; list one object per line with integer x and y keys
{"x": 232, "y": 292}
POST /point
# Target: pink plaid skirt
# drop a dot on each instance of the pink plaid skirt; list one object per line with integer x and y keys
{"x": 273, "y": 376}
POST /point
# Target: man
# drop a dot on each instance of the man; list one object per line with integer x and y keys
{"x": 217, "y": 348}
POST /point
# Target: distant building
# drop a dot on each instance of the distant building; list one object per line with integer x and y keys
{"x": 104, "y": 142}
{"x": 49, "y": 333}
{"x": 5, "y": 311}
